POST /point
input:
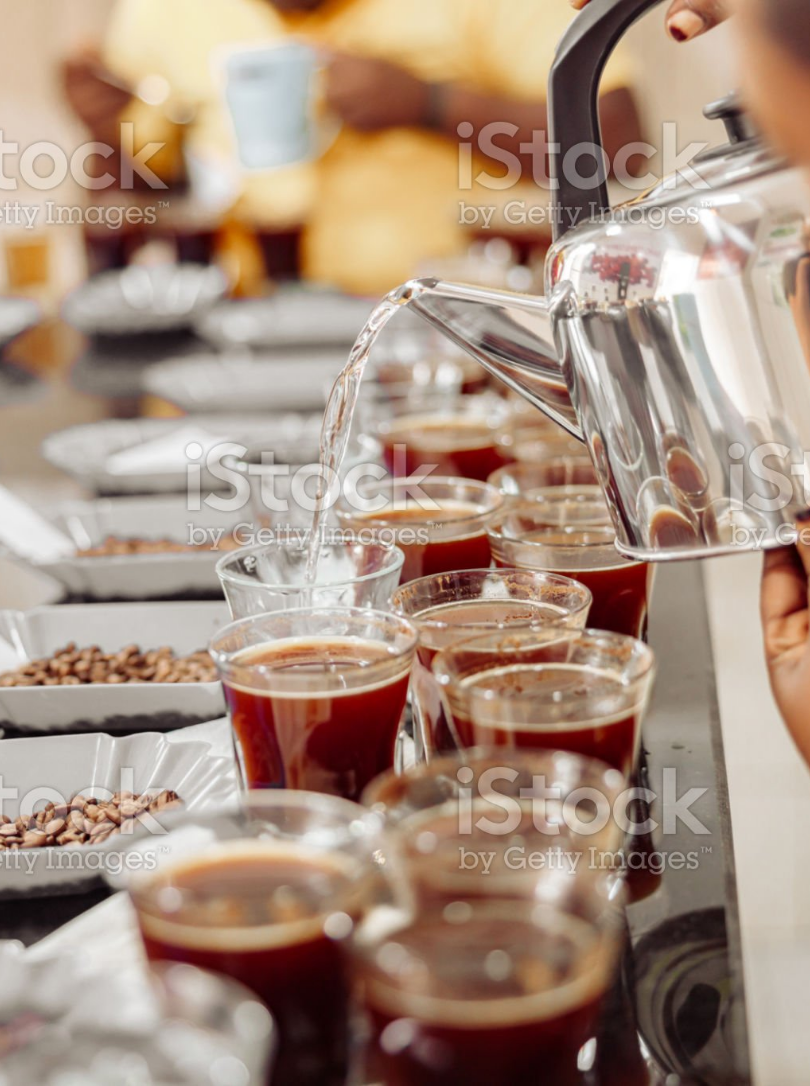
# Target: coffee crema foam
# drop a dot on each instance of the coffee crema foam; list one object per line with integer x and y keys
{"x": 587, "y": 973}
{"x": 317, "y": 662}
{"x": 520, "y": 683}
{"x": 445, "y": 434}
{"x": 411, "y": 513}
{"x": 444, "y": 624}
{"x": 343, "y": 895}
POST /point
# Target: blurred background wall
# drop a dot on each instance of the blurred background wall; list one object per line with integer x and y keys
{"x": 33, "y": 108}
{"x": 677, "y": 81}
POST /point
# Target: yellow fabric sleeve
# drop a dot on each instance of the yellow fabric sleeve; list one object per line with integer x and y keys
{"x": 135, "y": 33}
{"x": 514, "y": 43}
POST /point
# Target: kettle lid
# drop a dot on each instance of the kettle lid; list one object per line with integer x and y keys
{"x": 730, "y": 110}
{"x": 742, "y": 157}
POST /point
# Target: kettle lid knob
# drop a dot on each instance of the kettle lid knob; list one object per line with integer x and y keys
{"x": 730, "y": 111}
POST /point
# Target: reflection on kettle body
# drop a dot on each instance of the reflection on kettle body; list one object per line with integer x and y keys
{"x": 670, "y": 529}
{"x": 668, "y": 519}
{"x": 684, "y": 472}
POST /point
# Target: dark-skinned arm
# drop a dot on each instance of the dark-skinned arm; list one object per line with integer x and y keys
{"x": 372, "y": 95}
{"x": 618, "y": 113}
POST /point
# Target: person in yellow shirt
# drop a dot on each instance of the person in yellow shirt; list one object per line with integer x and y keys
{"x": 403, "y": 79}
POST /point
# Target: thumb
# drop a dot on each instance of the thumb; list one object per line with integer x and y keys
{"x": 686, "y": 19}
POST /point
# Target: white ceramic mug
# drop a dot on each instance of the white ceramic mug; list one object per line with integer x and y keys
{"x": 270, "y": 94}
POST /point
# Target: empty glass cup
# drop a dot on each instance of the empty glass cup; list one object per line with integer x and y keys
{"x": 257, "y": 580}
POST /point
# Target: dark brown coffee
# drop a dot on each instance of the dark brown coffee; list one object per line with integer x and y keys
{"x": 519, "y": 705}
{"x": 462, "y": 446}
{"x": 428, "y": 551}
{"x": 483, "y": 1002}
{"x": 461, "y": 620}
{"x": 261, "y": 916}
{"x": 321, "y": 737}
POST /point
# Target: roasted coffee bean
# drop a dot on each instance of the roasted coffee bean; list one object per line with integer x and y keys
{"x": 68, "y": 667}
{"x": 115, "y": 545}
{"x": 85, "y": 820}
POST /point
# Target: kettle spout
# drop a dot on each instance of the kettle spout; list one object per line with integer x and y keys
{"x": 511, "y": 335}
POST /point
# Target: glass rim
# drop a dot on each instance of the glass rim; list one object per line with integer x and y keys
{"x": 446, "y": 671}
{"x": 224, "y": 574}
{"x": 490, "y": 408}
{"x": 526, "y": 432}
{"x": 501, "y": 540}
{"x": 588, "y": 767}
{"x": 363, "y": 828}
{"x": 551, "y": 497}
{"x": 254, "y": 798}
{"x": 520, "y": 467}
{"x": 453, "y": 1008}
{"x": 499, "y": 573}
{"x": 485, "y": 490}
{"x": 224, "y": 658}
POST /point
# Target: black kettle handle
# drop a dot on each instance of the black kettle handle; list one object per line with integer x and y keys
{"x": 573, "y": 102}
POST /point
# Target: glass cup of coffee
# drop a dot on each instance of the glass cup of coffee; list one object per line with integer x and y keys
{"x": 440, "y": 524}
{"x": 451, "y": 607}
{"x": 459, "y": 436}
{"x": 315, "y": 695}
{"x": 523, "y": 479}
{"x": 583, "y": 691}
{"x": 484, "y": 991}
{"x": 258, "y": 580}
{"x": 269, "y": 898}
{"x": 416, "y": 363}
{"x": 488, "y": 823}
{"x": 567, "y": 530}
{"x": 532, "y": 438}
{"x": 411, "y": 362}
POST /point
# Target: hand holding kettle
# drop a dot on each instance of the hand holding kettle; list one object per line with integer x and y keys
{"x": 785, "y": 589}
{"x": 687, "y": 19}
{"x": 786, "y": 630}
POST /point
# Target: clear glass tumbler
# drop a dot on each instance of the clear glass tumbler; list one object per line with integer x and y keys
{"x": 582, "y": 691}
{"x": 270, "y": 901}
{"x": 258, "y": 580}
{"x": 567, "y": 530}
{"x": 315, "y": 695}
{"x": 451, "y": 607}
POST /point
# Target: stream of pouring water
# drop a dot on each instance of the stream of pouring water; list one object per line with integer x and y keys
{"x": 340, "y": 408}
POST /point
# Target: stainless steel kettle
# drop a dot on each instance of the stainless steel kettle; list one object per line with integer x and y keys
{"x": 674, "y": 337}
